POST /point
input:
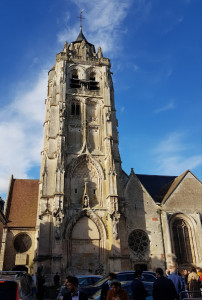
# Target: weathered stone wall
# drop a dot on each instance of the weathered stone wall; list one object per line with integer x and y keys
{"x": 142, "y": 213}
{"x": 185, "y": 202}
{"x": 10, "y": 252}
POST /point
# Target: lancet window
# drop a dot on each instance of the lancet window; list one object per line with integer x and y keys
{"x": 93, "y": 85}
{"x": 75, "y": 109}
{"x": 74, "y": 80}
{"x": 182, "y": 245}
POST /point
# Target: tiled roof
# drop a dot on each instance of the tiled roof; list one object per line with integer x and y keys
{"x": 22, "y": 203}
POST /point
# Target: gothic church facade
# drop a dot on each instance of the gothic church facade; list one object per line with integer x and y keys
{"x": 85, "y": 214}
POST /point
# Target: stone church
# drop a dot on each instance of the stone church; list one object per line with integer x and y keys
{"x": 85, "y": 214}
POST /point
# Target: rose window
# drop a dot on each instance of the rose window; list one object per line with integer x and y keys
{"x": 22, "y": 242}
{"x": 138, "y": 241}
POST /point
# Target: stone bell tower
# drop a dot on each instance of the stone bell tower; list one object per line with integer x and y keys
{"x": 81, "y": 177}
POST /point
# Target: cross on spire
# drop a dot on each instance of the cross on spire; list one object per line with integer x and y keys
{"x": 81, "y": 18}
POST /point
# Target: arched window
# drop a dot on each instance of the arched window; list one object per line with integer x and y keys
{"x": 138, "y": 241}
{"x": 93, "y": 85}
{"x": 92, "y": 76}
{"x": 75, "y": 74}
{"x": 181, "y": 239}
{"x": 75, "y": 109}
{"x": 74, "y": 79}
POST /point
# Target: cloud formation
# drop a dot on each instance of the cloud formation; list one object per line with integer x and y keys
{"x": 21, "y": 131}
{"x": 169, "y": 106}
{"x": 171, "y": 157}
{"x": 103, "y": 20}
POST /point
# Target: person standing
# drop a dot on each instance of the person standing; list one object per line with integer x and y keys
{"x": 107, "y": 286}
{"x": 116, "y": 292}
{"x": 185, "y": 277}
{"x": 56, "y": 279}
{"x": 177, "y": 281}
{"x": 73, "y": 291}
{"x": 167, "y": 272}
{"x": 63, "y": 289}
{"x": 163, "y": 288}
{"x": 198, "y": 271}
{"x": 33, "y": 284}
{"x": 138, "y": 289}
{"x": 194, "y": 283}
{"x": 40, "y": 286}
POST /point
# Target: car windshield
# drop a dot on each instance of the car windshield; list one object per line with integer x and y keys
{"x": 148, "y": 277}
{"x": 84, "y": 281}
{"x": 101, "y": 281}
{"x": 96, "y": 295}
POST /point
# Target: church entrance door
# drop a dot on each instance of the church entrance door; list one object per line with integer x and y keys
{"x": 85, "y": 246}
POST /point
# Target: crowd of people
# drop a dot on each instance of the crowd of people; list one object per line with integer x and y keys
{"x": 171, "y": 286}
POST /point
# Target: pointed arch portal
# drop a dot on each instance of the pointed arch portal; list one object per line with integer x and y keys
{"x": 85, "y": 246}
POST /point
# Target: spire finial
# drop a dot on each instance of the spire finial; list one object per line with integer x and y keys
{"x": 81, "y": 18}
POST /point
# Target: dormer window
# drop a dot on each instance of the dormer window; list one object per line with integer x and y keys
{"x": 74, "y": 80}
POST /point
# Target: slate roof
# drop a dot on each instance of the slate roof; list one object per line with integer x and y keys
{"x": 22, "y": 203}
{"x": 81, "y": 37}
{"x": 156, "y": 185}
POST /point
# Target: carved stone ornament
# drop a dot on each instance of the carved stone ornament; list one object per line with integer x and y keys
{"x": 115, "y": 224}
{"x": 108, "y": 115}
{"x": 46, "y": 211}
{"x": 71, "y": 221}
{"x": 85, "y": 198}
{"x": 58, "y": 223}
{"x": 57, "y": 232}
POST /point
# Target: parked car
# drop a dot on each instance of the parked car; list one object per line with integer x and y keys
{"x": 147, "y": 276}
{"x": 15, "y": 285}
{"x": 88, "y": 279}
{"x": 126, "y": 285}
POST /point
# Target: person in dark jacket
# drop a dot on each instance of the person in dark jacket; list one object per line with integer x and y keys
{"x": 138, "y": 289}
{"x": 63, "y": 289}
{"x": 40, "y": 286}
{"x": 107, "y": 286}
{"x": 56, "y": 279}
{"x": 163, "y": 288}
{"x": 74, "y": 293}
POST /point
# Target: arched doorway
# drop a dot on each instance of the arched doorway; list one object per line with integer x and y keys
{"x": 85, "y": 246}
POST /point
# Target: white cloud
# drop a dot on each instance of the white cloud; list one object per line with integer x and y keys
{"x": 21, "y": 131}
{"x": 171, "y": 155}
{"x": 102, "y": 25}
{"x": 169, "y": 106}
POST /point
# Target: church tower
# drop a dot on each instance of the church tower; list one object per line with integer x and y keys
{"x": 81, "y": 182}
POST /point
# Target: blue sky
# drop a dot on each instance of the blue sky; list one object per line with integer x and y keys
{"x": 155, "y": 51}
